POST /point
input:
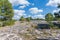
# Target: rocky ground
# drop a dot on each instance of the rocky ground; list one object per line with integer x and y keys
{"x": 26, "y": 31}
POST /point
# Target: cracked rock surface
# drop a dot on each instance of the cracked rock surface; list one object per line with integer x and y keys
{"x": 24, "y": 31}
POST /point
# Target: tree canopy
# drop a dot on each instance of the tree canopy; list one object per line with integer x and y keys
{"x": 57, "y": 14}
{"x": 6, "y": 13}
{"x": 49, "y": 17}
{"x": 6, "y": 10}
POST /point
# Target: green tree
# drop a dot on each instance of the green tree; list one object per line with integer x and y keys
{"x": 22, "y": 18}
{"x": 6, "y": 10}
{"x": 57, "y": 14}
{"x": 28, "y": 18}
{"x": 58, "y": 6}
{"x": 49, "y": 17}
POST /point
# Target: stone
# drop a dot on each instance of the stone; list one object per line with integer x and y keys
{"x": 10, "y": 36}
{"x": 6, "y": 39}
{"x": 16, "y": 38}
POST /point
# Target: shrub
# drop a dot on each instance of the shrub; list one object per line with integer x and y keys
{"x": 22, "y": 19}
{"x": 1, "y": 24}
{"x": 49, "y": 17}
{"x": 28, "y": 19}
{"x": 8, "y": 23}
{"x": 51, "y": 25}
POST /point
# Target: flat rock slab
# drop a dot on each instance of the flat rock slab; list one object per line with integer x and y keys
{"x": 47, "y": 39}
{"x": 9, "y": 36}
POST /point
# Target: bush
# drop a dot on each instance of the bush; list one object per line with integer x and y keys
{"x": 22, "y": 19}
{"x": 25, "y": 19}
{"x": 8, "y": 23}
{"x": 51, "y": 25}
{"x": 28, "y": 19}
{"x": 49, "y": 17}
{"x": 1, "y": 24}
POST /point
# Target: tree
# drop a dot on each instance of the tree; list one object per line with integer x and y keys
{"x": 6, "y": 13}
{"x": 49, "y": 17}
{"x": 6, "y": 10}
{"x": 22, "y": 18}
{"x": 57, "y": 14}
{"x": 28, "y": 18}
{"x": 58, "y": 6}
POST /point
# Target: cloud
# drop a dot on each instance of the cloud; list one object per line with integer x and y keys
{"x": 19, "y": 2}
{"x": 35, "y": 10}
{"x": 27, "y": 16}
{"x": 38, "y": 16}
{"x": 18, "y": 14}
{"x": 53, "y": 2}
{"x": 22, "y": 6}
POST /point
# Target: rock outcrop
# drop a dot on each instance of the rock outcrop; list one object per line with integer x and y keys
{"x": 25, "y": 31}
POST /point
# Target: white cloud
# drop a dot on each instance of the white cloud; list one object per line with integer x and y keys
{"x": 22, "y": 6}
{"x": 18, "y": 14}
{"x": 19, "y": 2}
{"x": 53, "y": 2}
{"x": 35, "y": 10}
{"x": 27, "y": 16}
{"x": 38, "y": 16}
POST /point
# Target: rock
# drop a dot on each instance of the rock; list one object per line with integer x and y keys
{"x": 6, "y": 39}
{"x": 2, "y": 35}
{"x": 16, "y": 38}
{"x": 9, "y": 36}
{"x": 38, "y": 32}
{"x": 24, "y": 31}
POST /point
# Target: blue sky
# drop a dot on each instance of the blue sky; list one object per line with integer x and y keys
{"x": 33, "y": 8}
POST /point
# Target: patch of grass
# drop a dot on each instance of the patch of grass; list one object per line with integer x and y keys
{"x": 8, "y": 23}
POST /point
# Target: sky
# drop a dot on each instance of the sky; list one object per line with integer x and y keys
{"x": 33, "y": 8}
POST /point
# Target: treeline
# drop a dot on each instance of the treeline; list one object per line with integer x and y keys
{"x": 28, "y": 19}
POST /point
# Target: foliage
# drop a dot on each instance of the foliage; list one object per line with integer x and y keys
{"x": 1, "y": 24}
{"x": 22, "y": 18}
{"x": 57, "y": 14}
{"x": 6, "y": 13}
{"x": 49, "y": 17}
{"x": 58, "y": 6}
{"x": 51, "y": 25}
{"x": 6, "y": 10}
{"x": 8, "y": 23}
{"x": 25, "y": 19}
{"x": 28, "y": 19}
